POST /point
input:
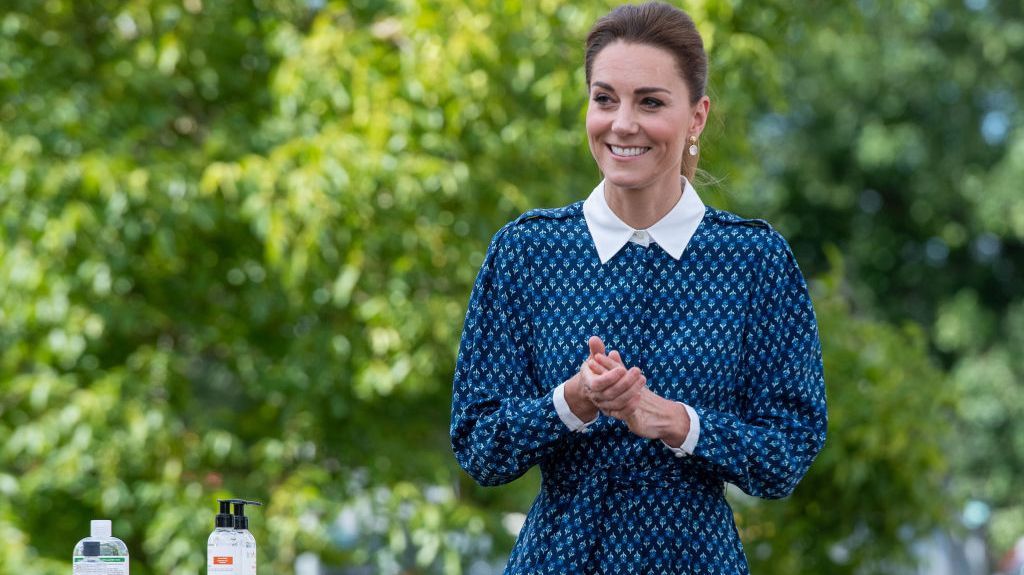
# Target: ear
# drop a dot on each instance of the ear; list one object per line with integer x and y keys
{"x": 700, "y": 117}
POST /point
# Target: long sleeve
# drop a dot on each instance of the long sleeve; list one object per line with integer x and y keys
{"x": 767, "y": 448}
{"x": 503, "y": 423}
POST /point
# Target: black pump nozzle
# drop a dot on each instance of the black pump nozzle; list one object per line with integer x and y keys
{"x": 224, "y": 518}
{"x": 241, "y": 521}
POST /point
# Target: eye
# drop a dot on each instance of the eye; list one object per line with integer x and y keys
{"x": 602, "y": 99}
{"x": 652, "y": 103}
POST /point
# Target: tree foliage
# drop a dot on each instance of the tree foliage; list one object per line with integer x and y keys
{"x": 876, "y": 487}
{"x": 901, "y": 144}
{"x": 238, "y": 239}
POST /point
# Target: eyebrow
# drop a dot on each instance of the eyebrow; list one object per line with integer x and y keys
{"x": 639, "y": 91}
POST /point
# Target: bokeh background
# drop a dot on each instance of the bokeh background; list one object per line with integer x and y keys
{"x": 237, "y": 241}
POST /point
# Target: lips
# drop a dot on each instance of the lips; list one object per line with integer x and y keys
{"x": 628, "y": 151}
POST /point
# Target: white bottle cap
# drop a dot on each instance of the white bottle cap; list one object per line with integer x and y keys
{"x": 99, "y": 528}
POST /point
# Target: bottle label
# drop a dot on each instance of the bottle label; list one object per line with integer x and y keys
{"x": 102, "y": 565}
{"x": 221, "y": 560}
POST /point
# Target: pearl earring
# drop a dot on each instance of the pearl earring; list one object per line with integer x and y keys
{"x": 693, "y": 146}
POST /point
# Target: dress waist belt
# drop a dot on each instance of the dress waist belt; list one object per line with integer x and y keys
{"x": 591, "y": 494}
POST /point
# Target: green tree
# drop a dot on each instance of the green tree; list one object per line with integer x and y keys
{"x": 878, "y": 484}
{"x": 900, "y": 143}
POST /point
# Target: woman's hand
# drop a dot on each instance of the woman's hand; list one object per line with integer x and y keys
{"x": 577, "y": 393}
{"x": 613, "y": 388}
{"x": 623, "y": 394}
{"x": 579, "y": 390}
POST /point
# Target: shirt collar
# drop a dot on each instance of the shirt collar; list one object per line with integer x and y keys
{"x": 672, "y": 232}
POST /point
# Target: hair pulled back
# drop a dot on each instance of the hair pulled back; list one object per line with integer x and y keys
{"x": 661, "y": 26}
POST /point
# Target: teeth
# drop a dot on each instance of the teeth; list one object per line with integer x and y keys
{"x": 628, "y": 151}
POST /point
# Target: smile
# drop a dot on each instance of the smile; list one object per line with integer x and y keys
{"x": 628, "y": 152}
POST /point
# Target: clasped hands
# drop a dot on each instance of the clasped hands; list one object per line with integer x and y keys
{"x": 605, "y": 384}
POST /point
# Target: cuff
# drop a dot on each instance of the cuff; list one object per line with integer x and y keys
{"x": 565, "y": 414}
{"x": 692, "y": 436}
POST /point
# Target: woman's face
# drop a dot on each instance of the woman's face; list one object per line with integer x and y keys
{"x": 640, "y": 117}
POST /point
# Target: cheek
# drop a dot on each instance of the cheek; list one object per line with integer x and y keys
{"x": 595, "y": 127}
{"x": 668, "y": 132}
{"x": 593, "y": 123}
{"x": 673, "y": 134}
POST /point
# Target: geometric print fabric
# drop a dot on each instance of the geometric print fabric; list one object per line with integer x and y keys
{"x": 727, "y": 329}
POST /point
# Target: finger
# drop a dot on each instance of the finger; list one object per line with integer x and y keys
{"x": 625, "y": 403}
{"x": 596, "y": 366}
{"x": 586, "y": 377}
{"x": 592, "y": 375}
{"x": 614, "y": 356}
{"x": 620, "y": 385}
{"x": 606, "y": 361}
{"x": 625, "y": 414}
{"x": 596, "y": 345}
{"x": 607, "y": 389}
{"x": 616, "y": 407}
{"x": 599, "y": 383}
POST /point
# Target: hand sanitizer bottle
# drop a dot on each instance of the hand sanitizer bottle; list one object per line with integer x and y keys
{"x": 100, "y": 553}
{"x": 222, "y": 548}
{"x": 246, "y": 543}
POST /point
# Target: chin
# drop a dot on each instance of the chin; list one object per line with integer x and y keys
{"x": 627, "y": 180}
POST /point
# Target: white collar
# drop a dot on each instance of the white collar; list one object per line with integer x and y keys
{"x": 672, "y": 232}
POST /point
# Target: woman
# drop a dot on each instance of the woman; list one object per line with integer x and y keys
{"x": 715, "y": 374}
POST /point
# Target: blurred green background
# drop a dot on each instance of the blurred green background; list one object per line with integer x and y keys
{"x": 237, "y": 240}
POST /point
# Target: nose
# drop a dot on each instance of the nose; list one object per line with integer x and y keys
{"x": 625, "y": 121}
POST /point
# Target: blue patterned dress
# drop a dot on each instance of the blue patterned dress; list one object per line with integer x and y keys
{"x": 727, "y": 329}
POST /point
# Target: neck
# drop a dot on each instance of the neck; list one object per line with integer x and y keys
{"x": 641, "y": 208}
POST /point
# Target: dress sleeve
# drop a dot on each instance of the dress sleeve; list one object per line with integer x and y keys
{"x": 502, "y": 422}
{"x": 767, "y": 447}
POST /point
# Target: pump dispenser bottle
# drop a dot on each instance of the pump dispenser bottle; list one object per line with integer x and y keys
{"x": 246, "y": 543}
{"x": 222, "y": 548}
{"x": 100, "y": 553}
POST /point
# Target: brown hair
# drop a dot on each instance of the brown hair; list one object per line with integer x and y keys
{"x": 661, "y": 26}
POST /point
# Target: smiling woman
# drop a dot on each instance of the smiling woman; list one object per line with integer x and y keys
{"x": 640, "y": 347}
{"x": 639, "y": 121}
